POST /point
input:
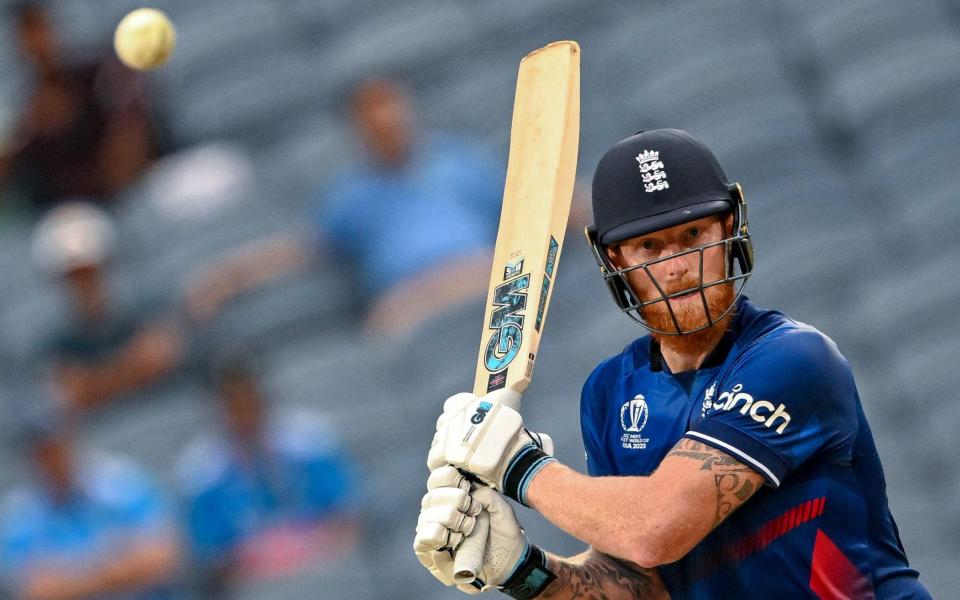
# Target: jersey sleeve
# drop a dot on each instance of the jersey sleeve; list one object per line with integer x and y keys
{"x": 598, "y": 463}
{"x": 784, "y": 401}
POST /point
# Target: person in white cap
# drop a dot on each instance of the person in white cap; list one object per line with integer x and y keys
{"x": 105, "y": 351}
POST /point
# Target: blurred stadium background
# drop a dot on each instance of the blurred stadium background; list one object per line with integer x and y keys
{"x": 840, "y": 119}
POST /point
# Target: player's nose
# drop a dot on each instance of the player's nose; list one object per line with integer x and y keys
{"x": 677, "y": 267}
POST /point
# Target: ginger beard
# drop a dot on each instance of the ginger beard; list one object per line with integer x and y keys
{"x": 690, "y": 315}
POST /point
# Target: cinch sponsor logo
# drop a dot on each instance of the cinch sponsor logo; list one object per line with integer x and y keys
{"x": 761, "y": 411}
{"x": 507, "y": 320}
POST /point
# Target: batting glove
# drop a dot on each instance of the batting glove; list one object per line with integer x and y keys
{"x": 486, "y": 438}
{"x": 447, "y": 515}
{"x": 510, "y": 563}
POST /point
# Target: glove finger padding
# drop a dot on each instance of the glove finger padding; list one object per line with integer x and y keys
{"x": 448, "y": 518}
{"x": 447, "y": 514}
{"x": 432, "y": 535}
{"x": 439, "y": 563}
{"x": 452, "y": 497}
{"x": 447, "y": 476}
{"x": 506, "y": 541}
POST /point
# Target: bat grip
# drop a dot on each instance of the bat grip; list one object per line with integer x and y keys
{"x": 469, "y": 555}
{"x": 507, "y": 397}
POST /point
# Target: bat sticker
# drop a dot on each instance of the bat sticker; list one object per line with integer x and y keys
{"x": 497, "y": 381}
{"x": 548, "y": 273}
{"x": 512, "y": 270}
{"x": 552, "y": 256}
{"x": 507, "y": 320}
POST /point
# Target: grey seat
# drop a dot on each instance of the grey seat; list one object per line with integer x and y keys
{"x": 838, "y": 33}
{"x": 305, "y": 153}
{"x": 917, "y": 170}
{"x": 153, "y": 425}
{"x": 220, "y": 34}
{"x": 915, "y": 297}
{"x": 344, "y": 576}
{"x": 345, "y": 376}
{"x": 899, "y": 84}
{"x": 246, "y": 100}
{"x": 417, "y": 34}
{"x": 186, "y": 215}
{"x": 23, "y": 278}
{"x": 654, "y": 38}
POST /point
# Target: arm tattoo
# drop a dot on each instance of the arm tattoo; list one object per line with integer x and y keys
{"x": 597, "y": 576}
{"x": 733, "y": 479}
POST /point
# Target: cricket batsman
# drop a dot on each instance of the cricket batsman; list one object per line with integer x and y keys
{"x": 727, "y": 450}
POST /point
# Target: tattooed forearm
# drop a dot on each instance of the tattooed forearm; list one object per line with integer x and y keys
{"x": 735, "y": 482}
{"x": 597, "y": 576}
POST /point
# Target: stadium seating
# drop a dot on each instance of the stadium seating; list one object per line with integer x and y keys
{"x": 840, "y": 119}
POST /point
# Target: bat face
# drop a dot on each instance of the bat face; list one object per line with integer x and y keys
{"x": 536, "y": 203}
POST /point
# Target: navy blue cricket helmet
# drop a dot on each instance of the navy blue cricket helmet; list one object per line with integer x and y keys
{"x": 654, "y": 180}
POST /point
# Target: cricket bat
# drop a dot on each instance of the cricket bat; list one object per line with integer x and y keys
{"x": 536, "y": 203}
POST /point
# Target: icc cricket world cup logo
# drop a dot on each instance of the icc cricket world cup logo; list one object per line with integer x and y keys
{"x": 633, "y": 414}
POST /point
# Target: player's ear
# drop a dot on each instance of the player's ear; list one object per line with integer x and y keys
{"x": 728, "y": 223}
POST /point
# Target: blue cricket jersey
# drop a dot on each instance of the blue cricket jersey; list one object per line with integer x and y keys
{"x": 778, "y": 396}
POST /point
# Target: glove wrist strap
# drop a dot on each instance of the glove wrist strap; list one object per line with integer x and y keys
{"x": 521, "y": 470}
{"x": 530, "y": 577}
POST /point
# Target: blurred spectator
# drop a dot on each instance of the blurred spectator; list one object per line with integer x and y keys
{"x": 270, "y": 494}
{"x": 416, "y": 222}
{"x": 87, "y": 128}
{"x": 84, "y": 527}
{"x": 105, "y": 351}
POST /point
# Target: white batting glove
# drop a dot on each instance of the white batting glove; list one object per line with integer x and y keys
{"x": 486, "y": 438}
{"x": 510, "y": 562}
{"x": 447, "y": 514}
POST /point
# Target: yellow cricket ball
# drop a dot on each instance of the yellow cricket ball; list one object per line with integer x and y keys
{"x": 144, "y": 39}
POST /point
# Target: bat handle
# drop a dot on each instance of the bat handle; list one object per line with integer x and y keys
{"x": 507, "y": 397}
{"x": 469, "y": 555}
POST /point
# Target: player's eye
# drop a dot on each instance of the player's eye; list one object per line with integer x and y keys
{"x": 694, "y": 232}
{"x": 648, "y": 245}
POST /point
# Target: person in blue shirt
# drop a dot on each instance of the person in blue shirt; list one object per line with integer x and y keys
{"x": 728, "y": 452}
{"x": 414, "y": 221}
{"x": 86, "y": 526}
{"x": 419, "y": 200}
{"x": 270, "y": 493}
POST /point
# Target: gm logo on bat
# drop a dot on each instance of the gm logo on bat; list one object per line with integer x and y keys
{"x": 506, "y": 321}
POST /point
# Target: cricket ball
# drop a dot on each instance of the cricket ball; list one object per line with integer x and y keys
{"x": 144, "y": 39}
